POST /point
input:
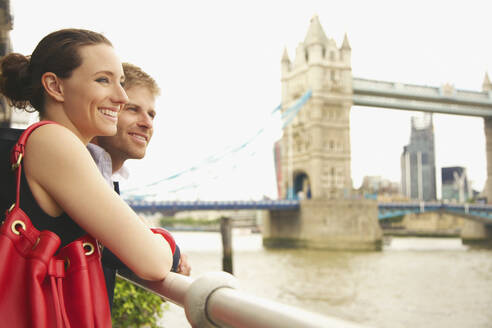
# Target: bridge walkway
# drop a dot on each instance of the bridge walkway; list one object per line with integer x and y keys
{"x": 477, "y": 212}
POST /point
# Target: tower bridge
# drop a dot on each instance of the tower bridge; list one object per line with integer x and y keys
{"x": 315, "y": 150}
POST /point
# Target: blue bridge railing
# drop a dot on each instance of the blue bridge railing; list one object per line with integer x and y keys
{"x": 138, "y": 205}
{"x": 390, "y": 210}
{"x": 386, "y": 210}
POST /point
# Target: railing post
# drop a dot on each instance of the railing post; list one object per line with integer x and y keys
{"x": 198, "y": 294}
{"x": 226, "y": 232}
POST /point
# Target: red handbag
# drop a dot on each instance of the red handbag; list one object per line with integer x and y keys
{"x": 41, "y": 285}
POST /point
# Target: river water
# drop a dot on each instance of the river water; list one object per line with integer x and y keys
{"x": 412, "y": 282}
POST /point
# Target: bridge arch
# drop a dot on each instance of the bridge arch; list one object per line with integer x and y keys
{"x": 302, "y": 185}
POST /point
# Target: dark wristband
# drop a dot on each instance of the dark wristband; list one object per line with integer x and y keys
{"x": 176, "y": 258}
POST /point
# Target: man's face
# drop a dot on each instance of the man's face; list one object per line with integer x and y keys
{"x": 135, "y": 126}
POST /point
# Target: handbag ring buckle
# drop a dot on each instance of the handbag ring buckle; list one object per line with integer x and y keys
{"x": 17, "y": 164}
{"x": 89, "y": 248}
{"x": 17, "y": 223}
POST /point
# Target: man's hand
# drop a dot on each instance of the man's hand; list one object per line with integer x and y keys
{"x": 184, "y": 267}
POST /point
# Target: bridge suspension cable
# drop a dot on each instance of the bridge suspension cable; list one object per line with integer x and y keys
{"x": 271, "y": 125}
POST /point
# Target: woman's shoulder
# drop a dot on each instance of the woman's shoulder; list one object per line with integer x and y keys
{"x": 50, "y": 130}
{"x": 52, "y": 148}
{"x": 50, "y": 138}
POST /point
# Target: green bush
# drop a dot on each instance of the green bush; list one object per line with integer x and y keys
{"x": 134, "y": 306}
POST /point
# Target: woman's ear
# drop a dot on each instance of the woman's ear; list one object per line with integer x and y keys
{"x": 52, "y": 86}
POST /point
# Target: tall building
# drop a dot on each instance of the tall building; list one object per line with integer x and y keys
{"x": 455, "y": 184}
{"x": 418, "y": 161}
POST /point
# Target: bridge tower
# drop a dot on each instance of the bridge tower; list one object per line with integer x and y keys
{"x": 315, "y": 154}
{"x": 316, "y": 144}
{"x": 487, "y": 190}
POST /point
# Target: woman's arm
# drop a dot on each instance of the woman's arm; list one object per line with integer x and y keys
{"x": 64, "y": 178}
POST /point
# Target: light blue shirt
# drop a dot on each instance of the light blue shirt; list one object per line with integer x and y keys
{"x": 105, "y": 165}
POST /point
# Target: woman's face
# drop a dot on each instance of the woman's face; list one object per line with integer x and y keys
{"x": 93, "y": 94}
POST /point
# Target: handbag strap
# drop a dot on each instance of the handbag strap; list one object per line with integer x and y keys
{"x": 18, "y": 153}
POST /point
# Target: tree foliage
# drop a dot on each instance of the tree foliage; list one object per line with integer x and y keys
{"x": 134, "y": 306}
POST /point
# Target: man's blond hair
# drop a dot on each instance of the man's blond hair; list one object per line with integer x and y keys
{"x": 134, "y": 76}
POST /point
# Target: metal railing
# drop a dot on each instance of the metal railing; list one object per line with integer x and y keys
{"x": 213, "y": 300}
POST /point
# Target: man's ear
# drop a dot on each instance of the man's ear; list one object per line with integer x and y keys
{"x": 52, "y": 86}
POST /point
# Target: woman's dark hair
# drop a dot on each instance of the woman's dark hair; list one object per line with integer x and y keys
{"x": 20, "y": 76}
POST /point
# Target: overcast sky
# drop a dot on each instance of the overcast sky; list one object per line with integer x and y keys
{"x": 218, "y": 64}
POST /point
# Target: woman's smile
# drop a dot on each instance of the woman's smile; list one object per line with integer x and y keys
{"x": 109, "y": 113}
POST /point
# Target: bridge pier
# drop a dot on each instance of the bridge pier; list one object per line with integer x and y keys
{"x": 476, "y": 233}
{"x": 487, "y": 124}
{"x": 472, "y": 229}
{"x": 333, "y": 224}
{"x": 433, "y": 224}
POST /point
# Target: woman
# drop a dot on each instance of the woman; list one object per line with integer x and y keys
{"x": 74, "y": 78}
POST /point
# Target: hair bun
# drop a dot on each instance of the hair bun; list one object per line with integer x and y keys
{"x": 14, "y": 79}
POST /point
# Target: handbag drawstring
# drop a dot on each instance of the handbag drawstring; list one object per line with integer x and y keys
{"x": 56, "y": 271}
{"x": 56, "y": 301}
{"x": 62, "y": 303}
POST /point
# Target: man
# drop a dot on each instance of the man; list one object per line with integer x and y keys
{"x": 135, "y": 129}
